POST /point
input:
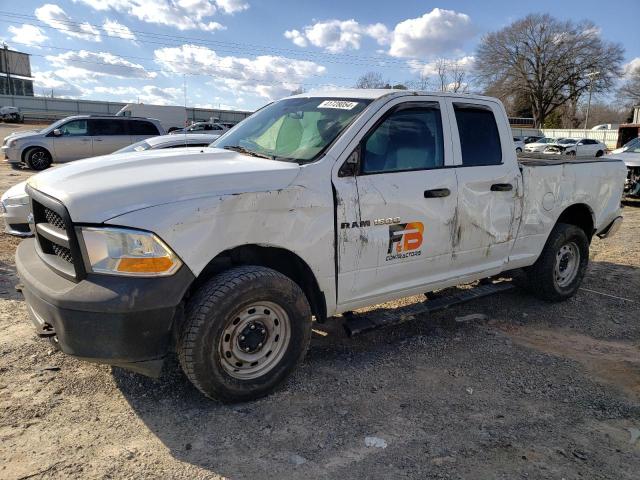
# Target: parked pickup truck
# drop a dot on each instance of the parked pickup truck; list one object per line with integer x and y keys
{"x": 315, "y": 205}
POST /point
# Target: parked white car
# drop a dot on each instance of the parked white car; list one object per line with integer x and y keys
{"x": 11, "y": 114}
{"x": 540, "y": 145}
{"x": 79, "y": 136}
{"x": 630, "y": 155}
{"x": 14, "y": 209}
{"x": 203, "y": 127}
{"x": 584, "y": 147}
{"x": 171, "y": 141}
{"x": 317, "y": 204}
{"x": 519, "y": 144}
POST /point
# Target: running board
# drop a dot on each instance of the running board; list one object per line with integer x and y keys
{"x": 357, "y": 323}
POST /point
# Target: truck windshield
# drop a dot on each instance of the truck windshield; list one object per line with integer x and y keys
{"x": 294, "y": 129}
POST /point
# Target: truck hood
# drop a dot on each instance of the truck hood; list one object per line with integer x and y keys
{"x": 97, "y": 189}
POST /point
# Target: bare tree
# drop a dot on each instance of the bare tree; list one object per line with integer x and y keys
{"x": 548, "y": 61}
{"x": 448, "y": 76}
{"x": 372, "y": 80}
{"x": 629, "y": 92}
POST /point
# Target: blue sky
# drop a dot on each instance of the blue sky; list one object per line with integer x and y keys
{"x": 244, "y": 53}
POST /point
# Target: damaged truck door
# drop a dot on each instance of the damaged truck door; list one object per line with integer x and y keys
{"x": 397, "y": 239}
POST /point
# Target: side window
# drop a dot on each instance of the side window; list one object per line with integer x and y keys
{"x": 479, "y": 136}
{"x": 107, "y": 127}
{"x": 74, "y": 128}
{"x": 140, "y": 127}
{"x": 408, "y": 139}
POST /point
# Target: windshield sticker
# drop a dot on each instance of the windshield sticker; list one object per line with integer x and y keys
{"x": 339, "y": 104}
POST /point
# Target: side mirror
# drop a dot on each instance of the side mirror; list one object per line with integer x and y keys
{"x": 351, "y": 165}
{"x": 57, "y": 132}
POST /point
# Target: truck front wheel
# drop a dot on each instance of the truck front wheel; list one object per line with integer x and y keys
{"x": 245, "y": 331}
{"x": 558, "y": 272}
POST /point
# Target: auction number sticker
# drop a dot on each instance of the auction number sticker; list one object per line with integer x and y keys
{"x": 339, "y": 104}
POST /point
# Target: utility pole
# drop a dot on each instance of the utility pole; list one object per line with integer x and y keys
{"x": 590, "y": 75}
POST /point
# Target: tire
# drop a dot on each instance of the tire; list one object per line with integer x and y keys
{"x": 38, "y": 159}
{"x": 518, "y": 150}
{"x": 572, "y": 154}
{"x": 599, "y": 153}
{"x": 558, "y": 272}
{"x": 219, "y": 350}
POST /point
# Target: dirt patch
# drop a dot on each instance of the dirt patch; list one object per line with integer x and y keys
{"x": 614, "y": 363}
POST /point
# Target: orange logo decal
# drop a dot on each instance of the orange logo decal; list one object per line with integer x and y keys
{"x": 405, "y": 237}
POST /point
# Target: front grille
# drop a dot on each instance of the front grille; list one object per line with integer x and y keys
{"x": 56, "y": 237}
{"x": 54, "y": 219}
{"x": 62, "y": 252}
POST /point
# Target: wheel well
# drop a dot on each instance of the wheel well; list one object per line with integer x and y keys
{"x": 28, "y": 149}
{"x": 279, "y": 259}
{"x": 579, "y": 215}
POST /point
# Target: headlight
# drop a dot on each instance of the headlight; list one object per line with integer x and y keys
{"x": 120, "y": 251}
{"x": 11, "y": 143}
{"x": 21, "y": 200}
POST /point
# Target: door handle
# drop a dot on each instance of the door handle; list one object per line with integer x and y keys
{"x": 97, "y": 139}
{"x": 437, "y": 193}
{"x": 501, "y": 187}
{"x": 86, "y": 139}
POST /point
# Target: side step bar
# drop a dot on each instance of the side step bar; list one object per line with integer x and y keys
{"x": 357, "y": 323}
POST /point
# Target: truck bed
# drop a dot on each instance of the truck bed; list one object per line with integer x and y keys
{"x": 545, "y": 160}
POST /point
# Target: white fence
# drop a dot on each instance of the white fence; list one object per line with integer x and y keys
{"x": 608, "y": 137}
{"x": 49, "y": 109}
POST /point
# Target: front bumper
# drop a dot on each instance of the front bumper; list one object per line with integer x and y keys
{"x": 10, "y": 154}
{"x": 123, "y": 321}
{"x": 16, "y": 219}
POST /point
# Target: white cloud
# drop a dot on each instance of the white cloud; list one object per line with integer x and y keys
{"x": 434, "y": 33}
{"x": 296, "y": 37}
{"x": 629, "y": 68}
{"x": 55, "y": 17}
{"x": 27, "y": 35}
{"x": 114, "y": 28}
{"x": 91, "y": 65}
{"x": 268, "y": 76}
{"x": 338, "y": 35}
{"x": 181, "y": 14}
{"x": 146, "y": 94}
{"x": 232, "y": 6}
{"x": 49, "y": 82}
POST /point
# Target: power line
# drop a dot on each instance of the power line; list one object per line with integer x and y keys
{"x": 131, "y": 57}
{"x": 226, "y": 46}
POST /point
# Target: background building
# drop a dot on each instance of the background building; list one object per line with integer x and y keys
{"x": 15, "y": 73}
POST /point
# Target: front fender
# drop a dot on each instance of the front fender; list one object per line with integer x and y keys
{"x": 198, "y": 230}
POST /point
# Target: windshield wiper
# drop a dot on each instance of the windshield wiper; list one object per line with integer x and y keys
{"x": 239, "y": 149}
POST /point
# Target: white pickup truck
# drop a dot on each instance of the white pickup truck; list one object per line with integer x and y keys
{"x": 315, "y": 205}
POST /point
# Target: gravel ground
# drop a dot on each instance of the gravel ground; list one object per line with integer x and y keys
{"x": 537, "y": 390}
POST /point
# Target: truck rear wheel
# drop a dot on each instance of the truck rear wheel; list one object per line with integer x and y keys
{"x": 558, "y": 272}
{"x": 245, "y": 331}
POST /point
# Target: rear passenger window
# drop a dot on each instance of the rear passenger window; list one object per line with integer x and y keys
{"x": 107, "y": 127}
{"x": 479, "y": 136}
{"x": 408, "y": 139}
{"x": 140, "y": 127}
